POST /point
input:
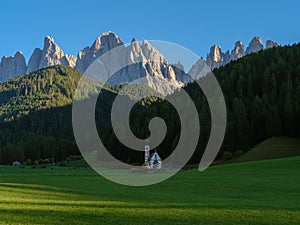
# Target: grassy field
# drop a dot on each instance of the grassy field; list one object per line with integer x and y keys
{"x": 262, "y": 192}
{"x": 278, "y": 147}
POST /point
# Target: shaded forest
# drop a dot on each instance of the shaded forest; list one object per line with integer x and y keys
{"x": 262, "y": 93}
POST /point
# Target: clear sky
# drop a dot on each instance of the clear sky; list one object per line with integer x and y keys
{"x": 192, "y": 24}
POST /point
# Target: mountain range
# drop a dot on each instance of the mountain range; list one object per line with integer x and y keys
{"x": 146, "y": 61}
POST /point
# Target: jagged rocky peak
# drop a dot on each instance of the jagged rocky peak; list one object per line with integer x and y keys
{"x": 255, "y": 45}
{"x": 144, "y": 59}
{"x": 135, "y": 52}
{"x": 199, "y": 69}
{"x": 180, "y": 73}
{"x": 104, "y": 43}
{"x": 144, "y": 53}
{"x": 12, "y": 66}
{"x": 215, "y": 54}
{"x": 20, "y": 63}
{"x": 84, "y": 59}
{"x": 71, "y": 60}
{"x": 271, "y": 44}
{"x": 151, "y": 53}
{"x": 147, "y": 65}
{"x": 226, "y": 57}
{"x": 35, "y": 60}
{"x": 216, "y": 58}
{"x": 155, "y": 63}
{"x": 238, "y": 51}
{"x": 51, "y": 55}
{"x": 139, "y": 61}
{"x": 51, "y": 46}
{"x": 179, "y": 66}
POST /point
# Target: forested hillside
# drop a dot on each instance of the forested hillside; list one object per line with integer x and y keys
{"x": 262, "y": 93}
{"x": 35, "y": 115}
{"x": 43, "y": 89}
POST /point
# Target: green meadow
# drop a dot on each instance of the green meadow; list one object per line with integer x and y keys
{"x": 260, "y": 192}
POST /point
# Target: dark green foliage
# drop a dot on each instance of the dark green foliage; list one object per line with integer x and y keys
{"x": 262, "y": 93}
{"x": 271, "y": 96}
{"x": 35, "y": 115}
{"x": 227, "y": 155}
{"x": 36, "y": 112}
{"x": 43, "y": 89}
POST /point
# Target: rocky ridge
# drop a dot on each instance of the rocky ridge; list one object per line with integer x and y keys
{"x": 143, "y": 59}
{"x": 216, "y": 58}
{"x": 12, "y": 66}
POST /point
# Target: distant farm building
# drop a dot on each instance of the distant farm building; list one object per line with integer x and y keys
{"x": 16, "y": 163}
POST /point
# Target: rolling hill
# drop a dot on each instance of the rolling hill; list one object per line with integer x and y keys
{"x": 272, "y": 148}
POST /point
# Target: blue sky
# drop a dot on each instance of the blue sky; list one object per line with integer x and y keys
{"x": 192, "y": 24}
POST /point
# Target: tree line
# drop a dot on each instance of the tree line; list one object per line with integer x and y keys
{"x": 262, "y": 93}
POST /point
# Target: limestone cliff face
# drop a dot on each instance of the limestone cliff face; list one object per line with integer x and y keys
{"x": 271, "y": 44}
{"x": 70, "y": 60}
{"x": 216, "y": 58}
{"x": 238, "y": 51}
{"x": 255, "y": 45}
{"x": 12, "y": 66}
{"x": 199, "y": 69}
{"x": 104, "y": 43}
{"x": 144, "y": 61}
{"x": 146, "y": 64}
{"x": 35, "y": 60}
{"x": 50, "y": 55}
{"x": 180, "y": 73}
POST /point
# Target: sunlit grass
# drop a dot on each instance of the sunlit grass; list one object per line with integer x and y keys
{"x": 265, "y": 192}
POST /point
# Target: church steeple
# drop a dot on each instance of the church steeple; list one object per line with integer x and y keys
{"x": 147, "y": 153}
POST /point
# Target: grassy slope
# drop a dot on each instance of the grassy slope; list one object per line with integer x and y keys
{"x": 78, "y": 163}
{"x": 273, "y": 148}
{"x": 262, "y": 192}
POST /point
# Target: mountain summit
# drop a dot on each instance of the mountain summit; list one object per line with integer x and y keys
{"x": 51, "y": 55}
{"x": 143, "y": 59}
{"x": 104, "y": 43}
{"x": 216, "y": 58}
{"x": 255, "y": 45}
{"x": 12, "y": 66}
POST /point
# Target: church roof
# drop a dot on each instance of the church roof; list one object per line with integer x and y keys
{"x": 153, "y": 154}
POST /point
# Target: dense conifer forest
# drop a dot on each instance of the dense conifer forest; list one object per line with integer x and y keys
{"x": 262, "y": 93}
